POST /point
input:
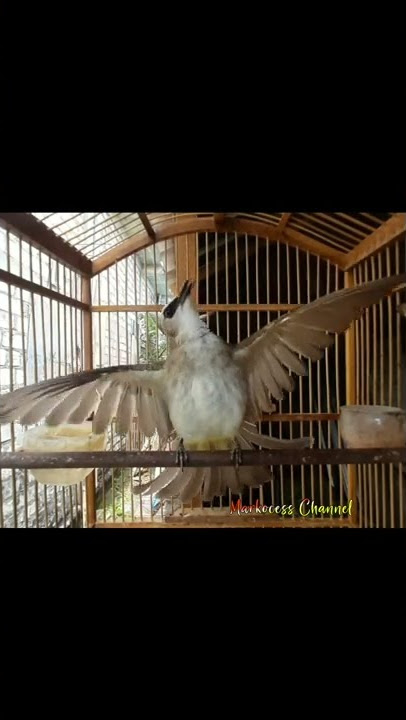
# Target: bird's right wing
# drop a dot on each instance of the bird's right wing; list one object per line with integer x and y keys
{"x": 122, "y": 392}
{"x": 269, "y": 354}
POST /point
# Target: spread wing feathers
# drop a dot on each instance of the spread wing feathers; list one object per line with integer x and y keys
{"x": 31, "y": 412}
{"x": 163, "y": 479}
{"x": 87, "y": 404}
{"x": 181, "y": 483}
{"x": 161, "y": 414}
{"x": 126, "y": 410}
{"x": 210, "y": 481}
{"x": 108, "y": 405}
{"x": 268, "y": 355}
{"x": 122, "y": 392}
{"x": 216, "y": 481}
{"x": 193, "y": 485}
{"x": 251, "y": 436}
{"x": 145, "y": 411}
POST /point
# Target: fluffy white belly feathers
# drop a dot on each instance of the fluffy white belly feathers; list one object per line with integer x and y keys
{"x": 207, "y": 400}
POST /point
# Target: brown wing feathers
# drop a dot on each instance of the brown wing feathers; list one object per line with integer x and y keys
{"x": 269, "y": 354}
{"x": 120, "y": 391}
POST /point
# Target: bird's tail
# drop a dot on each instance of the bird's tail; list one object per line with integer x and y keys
{"x": 215, "y": 481}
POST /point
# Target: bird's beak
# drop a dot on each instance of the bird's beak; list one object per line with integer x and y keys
{"x": 185, "y": 292}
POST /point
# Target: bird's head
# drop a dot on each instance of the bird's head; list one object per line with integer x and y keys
{"x": 180, "y": 315}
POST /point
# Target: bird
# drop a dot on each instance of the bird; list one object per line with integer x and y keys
{"x": 401, "y": 309}
{"x": 208, "y": 392}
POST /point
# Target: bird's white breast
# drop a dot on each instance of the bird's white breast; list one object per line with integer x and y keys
{"x": 206, "y": 390}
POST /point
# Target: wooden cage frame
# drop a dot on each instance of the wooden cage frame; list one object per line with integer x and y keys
{"x": 183, "y": 231}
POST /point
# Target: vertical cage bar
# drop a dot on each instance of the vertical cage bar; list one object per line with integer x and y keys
{"x": 375, "y": 345}
{"x": 35, "y": 369}
{"x": 247, "y": 284}
{"x": 26, "y": 520}
{"x": 117, "y": 317}
{"x": 62, "y": 489}
{"x": 400, "y": 400}
{"x": 351, "y": 359}
{"x": 108, "y": 318}
{"x": 366, "y": 316}
{"x": 75, "y": 335}
{"x": 361, "y": 364}
{"x": 390, "y": 333}
{"x": 101, "y": 339}
{"x": 278, "y": 265}
{"x": 390, "y": 387}
{"x": 381, "y": 346}
{"x": 310, "y": 375}
{"x": 44, "y": 487}
{"x": 338, "y": 401}
{"x": 268, "y": 315}
{"x": 216, "y": 281}
{"x": 375, "y": 390}
{"x": 71, "y": 315}
{"x": 381, "y": 334}
{"x": 237, "y": 283}
{"x": 127, "y": 357}
{"x": 11, "y": 379}
{"x": 88, "y": 365}
{"x": 290, "y": 399}
{"x": 227, "y": 288}
{"x": 156, "y": 298}
{"x": 367, "y": 320}
{"x": 319, "y": 404}
{"x": 257, "y": 279}
{"x": 206, "y": 240}
{"x": 258, "y": 326}
{"x": 51, "y": 368}
{"x": 65, "y": 337}
{"x": 362, "y": 343}
{"x": 327, "y": 370}
{"x": 59, "y": 326}
{"x": 301, "y": 410}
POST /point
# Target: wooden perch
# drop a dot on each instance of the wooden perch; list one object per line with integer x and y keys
{"x": 220, "y": 458}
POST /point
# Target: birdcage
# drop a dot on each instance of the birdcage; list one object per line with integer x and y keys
{"x": 84, "y": 290}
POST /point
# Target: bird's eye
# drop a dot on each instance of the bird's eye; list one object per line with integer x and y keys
{"x": 171, "y": 309}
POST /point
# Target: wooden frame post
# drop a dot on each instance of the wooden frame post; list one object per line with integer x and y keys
{"x": 185, "y": 255}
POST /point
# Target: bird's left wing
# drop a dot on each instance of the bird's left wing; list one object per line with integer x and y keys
{"x": 122, "y": 392}
{"x": 268, "y": 355}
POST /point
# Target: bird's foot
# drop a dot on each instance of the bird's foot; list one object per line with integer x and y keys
{"x": 181, "y": 455}
{"x": 236, "y": 456}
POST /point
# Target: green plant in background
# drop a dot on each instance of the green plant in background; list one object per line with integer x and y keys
{"x": 150, "y": 345}
{"x": 119, "y": 500}
{"x": 118, "y": 495}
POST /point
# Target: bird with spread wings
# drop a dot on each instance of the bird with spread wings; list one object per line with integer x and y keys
{"x": 209, "y": 392}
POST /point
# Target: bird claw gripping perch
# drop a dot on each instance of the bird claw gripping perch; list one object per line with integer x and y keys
{"x": 181, "y": 455}
{"x": 236, "y": 455}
